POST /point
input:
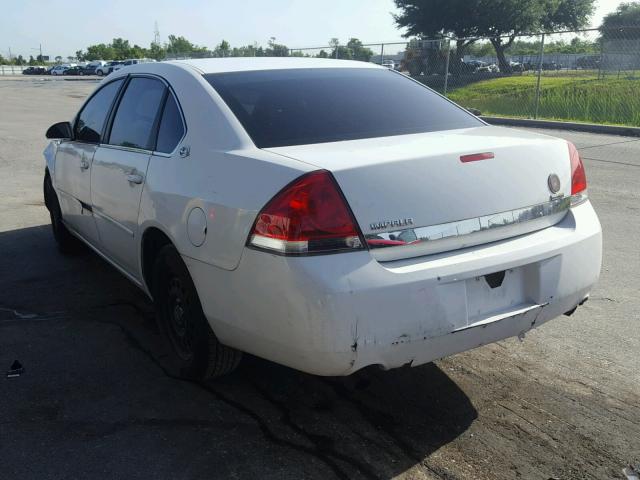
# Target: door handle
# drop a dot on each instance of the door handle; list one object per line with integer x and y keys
{"x": 134, "y": 178}
{"x": 84, "y": 164}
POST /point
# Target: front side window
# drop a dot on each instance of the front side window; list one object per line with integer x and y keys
{"x": 171, "y": 127}
{"x": 91, "y": 120}
{"x": 135, "y": 119}
{"x": 303, "y": 106}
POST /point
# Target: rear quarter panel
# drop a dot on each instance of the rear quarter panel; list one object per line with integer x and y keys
{"x": 224, "y": 175}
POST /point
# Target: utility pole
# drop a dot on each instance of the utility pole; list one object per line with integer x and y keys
{"x": 540, "y": 61}
{"x": 446, "y": 67}
{"x": 156, "y": 34}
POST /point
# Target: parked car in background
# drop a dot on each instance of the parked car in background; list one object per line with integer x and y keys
{"x": 75, "y": 70}
{"x": 516, "y": 66}
{"x": 551, "y": 66}
{"x": 476, "y": 63}
{"x": 36, "y": 70}
{"x": 591, "y": 62}
{"x": 324, "y": 214}
{"x": 107, "y": 68}
{"x": 470, "y": 66}
{"x": 90, "y": 68}
{"x": 493, "y": 68}
{"x": 131, "y": 61}
{"x": 61, "y": 69}
{"x": 389, "y": 64}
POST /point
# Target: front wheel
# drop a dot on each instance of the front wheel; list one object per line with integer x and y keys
{"x": 197, "y": 352}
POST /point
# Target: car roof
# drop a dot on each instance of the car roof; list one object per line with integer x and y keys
{"x": 242, "y": 64}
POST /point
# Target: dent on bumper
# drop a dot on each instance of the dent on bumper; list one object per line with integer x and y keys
{"x": 334, "y": 314}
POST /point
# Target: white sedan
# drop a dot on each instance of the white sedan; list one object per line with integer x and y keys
{"x": 324, "y": 214}
{"x": 60, "y": 69}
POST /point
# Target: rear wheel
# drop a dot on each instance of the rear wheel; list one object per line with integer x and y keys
{"x": 197, "y": 351}
{"x": 66, "y": 242}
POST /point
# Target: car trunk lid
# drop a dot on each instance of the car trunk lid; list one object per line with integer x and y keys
{"x": 432, "y": 192}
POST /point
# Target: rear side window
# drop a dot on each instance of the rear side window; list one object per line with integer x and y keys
{"x": 304, "y": 106}
{"x": 171, "y": 127}
{"x": 135, "y": 119}
{"x": 92, "y": 117}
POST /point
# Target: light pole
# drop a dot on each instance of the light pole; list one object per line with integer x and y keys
{"x": 39, "y": 49}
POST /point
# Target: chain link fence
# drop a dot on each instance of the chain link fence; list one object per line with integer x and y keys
{"x": 585, "y": 76}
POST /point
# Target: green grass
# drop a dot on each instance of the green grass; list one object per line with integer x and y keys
{"x": 577, "y": 97}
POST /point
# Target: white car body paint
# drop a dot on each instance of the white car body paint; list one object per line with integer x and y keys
{"x": 50, "y": 157}
{"x": 336, "y": 313}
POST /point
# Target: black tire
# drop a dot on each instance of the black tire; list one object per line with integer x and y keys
{"x": 197, "y": 352}
{"x": 66, "y": 242}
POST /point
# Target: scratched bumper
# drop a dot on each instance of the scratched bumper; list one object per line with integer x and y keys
{"x": 335, "y": 314}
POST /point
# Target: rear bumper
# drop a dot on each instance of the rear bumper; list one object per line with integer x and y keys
{"x": 335, "y": 314}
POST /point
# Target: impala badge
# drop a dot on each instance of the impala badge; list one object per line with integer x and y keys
{"x": 401, "y": 222}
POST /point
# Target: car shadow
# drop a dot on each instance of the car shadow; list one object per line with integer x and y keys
{"x": 99, "y": 395}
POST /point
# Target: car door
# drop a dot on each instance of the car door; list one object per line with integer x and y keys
{"x": 74, "y": 159}
{"x": 120, "y": 166}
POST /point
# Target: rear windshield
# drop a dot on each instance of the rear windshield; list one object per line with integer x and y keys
{"x": 303, "y": 106}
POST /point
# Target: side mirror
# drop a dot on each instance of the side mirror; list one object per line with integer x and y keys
{"x": 60, "y": 130}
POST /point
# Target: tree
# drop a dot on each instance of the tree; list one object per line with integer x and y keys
{"x": 342, "y": 52}
{"x": 576, "y": 45}
{"x": 121, "y": 49}
{"x": 625, "y": 19}
{"x": 80, "y": 55}
{"x": 179, "y": 46}
{"x": 247, "y": 51}
{"x": 58, "y": 59}
{"x": 100, "y": 52}
{"x": 157, "y": 51}
{"x": 433, "y": 19}
{"x": 501, "y": 21}
{"x": 334, "y": 43}
{"x": 413, "y": 60}
{"x": 32, "y": 61}
{"x": 515, "y": 17}
{"x": 322, "y": 54}
{"x": 358, "y": 51}
{"x": 222, "y": 50}
{"x": 276, "y": 49}
{"x": 19, "y": 60}
{"x": 137, "y": 52}
{"x": 3, "y": 61}
{"x": 353, "y": 50}
{"x": 483, "y": 49}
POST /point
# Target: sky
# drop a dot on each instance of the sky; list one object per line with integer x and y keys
{"x": 64, "y": 26}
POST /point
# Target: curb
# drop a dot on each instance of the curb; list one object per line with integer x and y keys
{"x": 580, "y": 127}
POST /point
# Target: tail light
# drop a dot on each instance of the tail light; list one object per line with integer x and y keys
{"x": 308, "y": 216}
{"x": 578, "y": 176}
